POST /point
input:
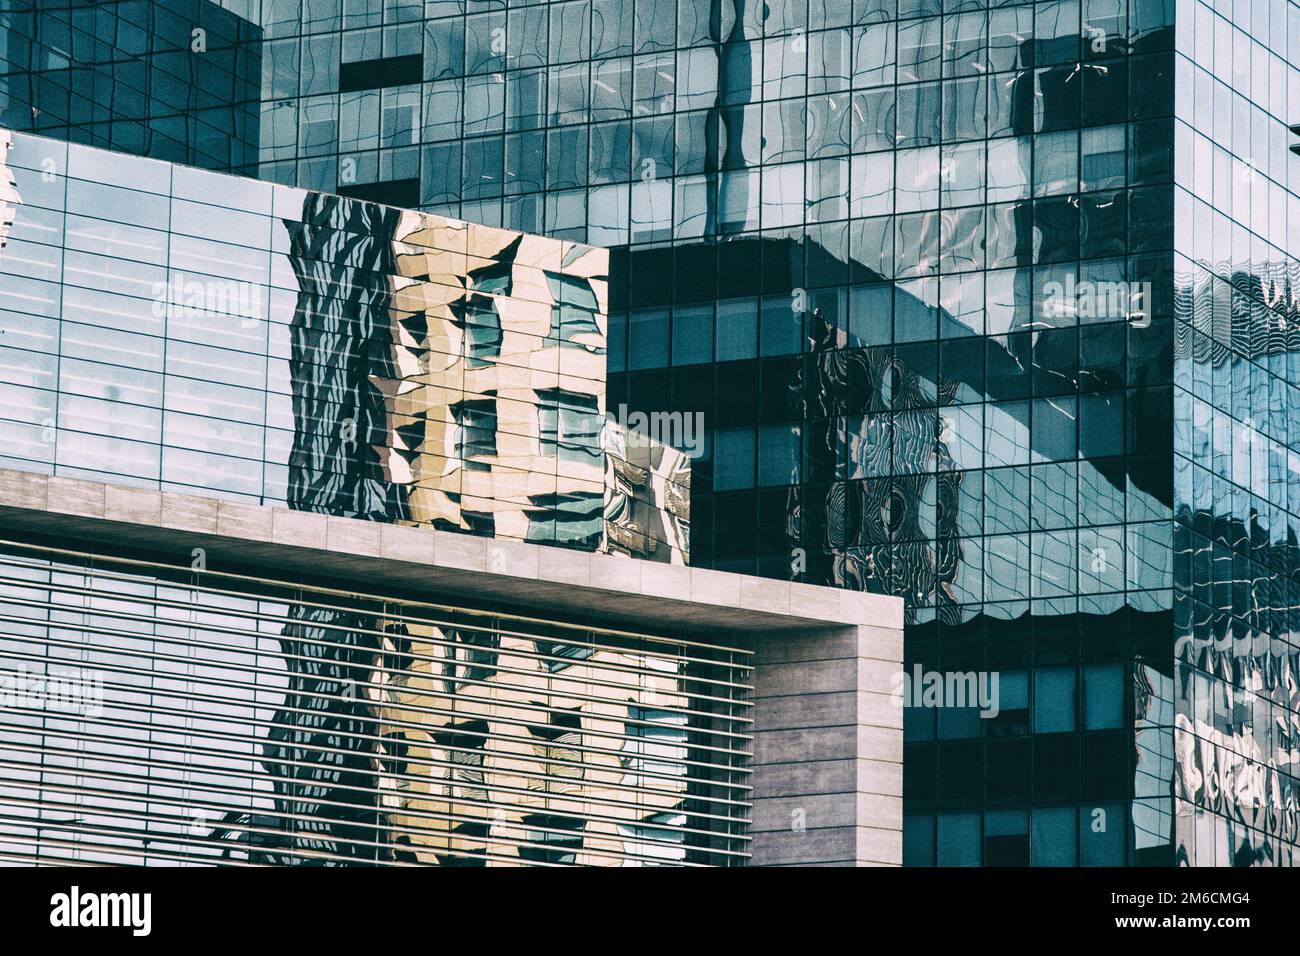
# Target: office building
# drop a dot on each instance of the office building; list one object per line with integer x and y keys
{"x": 987, "y": 306}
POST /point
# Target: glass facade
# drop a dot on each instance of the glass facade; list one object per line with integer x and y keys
{"x": 924, "y": 393}
{"x": 985, "y": 304}
{"x": 1232, "y": 697}
{"x": 178, "y": 80}
{"x": 235, "y": 719}
{"x": 182, "y": 329}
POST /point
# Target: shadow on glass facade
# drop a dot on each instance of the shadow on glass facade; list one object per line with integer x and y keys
{"x": 178, "y": 80}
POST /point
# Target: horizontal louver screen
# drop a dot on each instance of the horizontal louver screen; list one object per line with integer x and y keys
{"x": 157, "y": 714}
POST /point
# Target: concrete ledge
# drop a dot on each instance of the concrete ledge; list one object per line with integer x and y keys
{"x": 236, "y": 534}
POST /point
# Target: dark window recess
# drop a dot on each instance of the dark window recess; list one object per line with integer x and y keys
{"x": 1296, "y": 147}
{"x": 477, "y": 419}
{"x": 373, "y": 74}
{"x": 481, "y": 523}
{"x": 1009, "y": 850}
{"x": 396, "y": 192}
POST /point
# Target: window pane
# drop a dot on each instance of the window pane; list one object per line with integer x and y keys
{"x": 1103, "y": 696}
{"x": 1053, "y": 700}
{"x": 733, "y": 460}
{"x": 737, "y": 329}
{"x": 1054, "y": 837}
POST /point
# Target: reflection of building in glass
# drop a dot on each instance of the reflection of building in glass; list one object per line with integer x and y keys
{"x": 1233, "y": 699}
{"x": 1230, "y": 703}
{"x": 361, "y": 361}
{"x": 538, "y": 746}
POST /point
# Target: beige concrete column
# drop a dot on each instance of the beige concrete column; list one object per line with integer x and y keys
{"x": 828, "y": 748}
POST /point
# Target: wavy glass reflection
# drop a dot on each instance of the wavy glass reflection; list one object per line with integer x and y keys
{"x": 224, "y": 336}
{"x": 1231, "y": 711}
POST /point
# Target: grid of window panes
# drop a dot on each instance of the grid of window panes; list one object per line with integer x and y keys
{"x": 1237, "y": 452}
{"x": 183, "y": 329}
{"x": 904, "y": 398}
{"x": 178, "y": 80}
